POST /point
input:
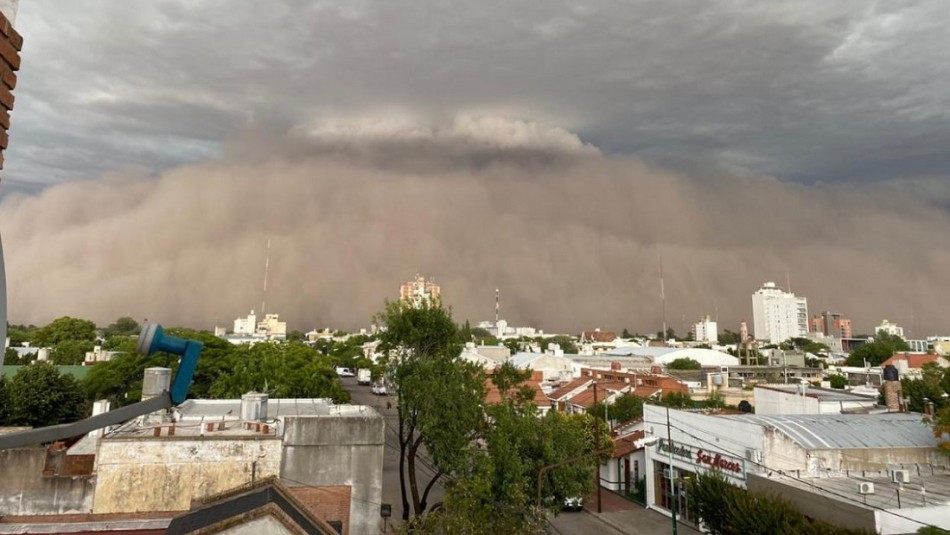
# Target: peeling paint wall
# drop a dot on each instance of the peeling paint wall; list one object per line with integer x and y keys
{"x": 24, "y": 490}
{"x": 166, "y": 474}
{"x": 333, "y": 450}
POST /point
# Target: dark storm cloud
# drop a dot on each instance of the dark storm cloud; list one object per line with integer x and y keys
{"x": 810, "y": 91}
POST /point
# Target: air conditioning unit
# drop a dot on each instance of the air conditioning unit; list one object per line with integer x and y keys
{"x": 754, "y": 455}
{"x": 865, "y": 487}
{"x": 900, "y": 476}
{"x": 666, "y": 474}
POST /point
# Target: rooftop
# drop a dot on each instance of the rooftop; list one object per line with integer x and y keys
{"x": 221, "y": 418}
{"x": 885, "y": 491}
{"x": 823, "y": 394}
{"x": 849, "y": 431}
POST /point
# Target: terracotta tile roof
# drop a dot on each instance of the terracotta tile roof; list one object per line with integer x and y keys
{"x": 665, "y": 382}
{"x": 915, "y": 360}
{"x": 598, "y": 336}
{"x": 624, "y": 445}
{"x": 493, "y": 396}
{"x": 569, "y": 387}
{"x": 586, "y": 398}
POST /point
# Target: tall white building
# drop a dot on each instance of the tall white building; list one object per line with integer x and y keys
{"x": 778, "y": 315}
{"x": 889, "y": 328}
{"x": 706, "y": 331}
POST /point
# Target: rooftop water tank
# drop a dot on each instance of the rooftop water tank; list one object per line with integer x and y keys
{"x": 254, "y": 407}
{"x": 890, "y": 373}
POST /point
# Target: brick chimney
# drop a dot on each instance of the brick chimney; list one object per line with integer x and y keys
{"x": 892, "y": 389}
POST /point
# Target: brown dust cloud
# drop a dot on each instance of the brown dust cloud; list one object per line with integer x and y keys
{"x": 569, "y": 235}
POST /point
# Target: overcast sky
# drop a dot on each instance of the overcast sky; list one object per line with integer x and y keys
{"x": 549, "y": 148}
{"x": 808, "y": 91}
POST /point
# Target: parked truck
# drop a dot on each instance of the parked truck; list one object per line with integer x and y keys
{"x": 364, "y": 376}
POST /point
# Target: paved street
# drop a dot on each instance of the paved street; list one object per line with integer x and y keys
{"x": 385, "y": 405}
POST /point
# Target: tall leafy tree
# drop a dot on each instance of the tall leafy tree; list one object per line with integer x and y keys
{"x": 439, "y": 396}
{"x": 881, "y": 348}
{"x": 497, "y": 489}
{"x": 64, "y": 329}
{"x": 38, "y": 395}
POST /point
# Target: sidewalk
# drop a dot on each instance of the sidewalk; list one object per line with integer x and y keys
{"x": 630, "y": 518}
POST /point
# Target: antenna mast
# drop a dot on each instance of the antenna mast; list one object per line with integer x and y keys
{"x": 266, "y": 270}
{"x": 497, "y": 306}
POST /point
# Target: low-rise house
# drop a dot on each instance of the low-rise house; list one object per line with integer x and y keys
{"x": 912, "y": 364}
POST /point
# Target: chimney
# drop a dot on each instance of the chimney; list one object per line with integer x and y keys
{"x": 254, "y": 407}
{"x": 892, "y": 389}
{"x": 156, "y": 381}
{"x": 99, "y": 407}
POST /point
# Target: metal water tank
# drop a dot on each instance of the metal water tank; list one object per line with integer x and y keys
{"x": 890, "y": 373}
{"x": 254, "y": 407}
{"x": 156, "y": 381}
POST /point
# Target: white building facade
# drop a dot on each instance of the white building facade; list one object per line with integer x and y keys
{"x": 706, "y": 331}
{"x": 778, "y": 315}
{"x": 889, "y": 328}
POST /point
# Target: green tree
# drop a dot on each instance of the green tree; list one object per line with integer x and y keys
{"x": 20, "y": 334}
{"x": 38, "y": 395}
{"x": 70, "y": 352}
{"x": 296, "y": 336}
{"x": 624, "y": 408}
{"x": 684, "y": 363}
{"x": 64, "y": 329}
{"x": 881, "y": 348}
{"x": 288, "y": 370}
{"x": 497, "y": 491}
{"x": 439, "y": 396}
{"x": 567, "y": 343}
{"x": 715, "y": 400}
{"x": 729, "y": 510}
{"x": 126, "y": 325}
{"x": 727, "y": 337}
{"x": 928, "y": 387}
{"x": 676, "y": 400}
{"x": 941, "y": 428}
{"x": 626, "y": 334}
{"x": 838, "y": 381}
{"x": 4, "y": 401}
{"x": 119, "y": 380}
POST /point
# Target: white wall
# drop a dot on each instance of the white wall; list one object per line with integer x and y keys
{"x": 890, "y": 524}
{"x": 697, "y": 431}
{"x": 768, "y": 402}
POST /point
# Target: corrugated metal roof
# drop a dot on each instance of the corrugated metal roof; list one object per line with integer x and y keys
{"x": 849, "y": 431}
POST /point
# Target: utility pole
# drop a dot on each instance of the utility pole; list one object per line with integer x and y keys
{"x": 669, "y": 443}
{"x": 597, "y": 447}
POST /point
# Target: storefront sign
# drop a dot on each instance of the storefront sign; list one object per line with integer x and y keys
{"x": 703, "y": 458}
{"x": 718, "y": 461}
{"x": 679, "y": 450}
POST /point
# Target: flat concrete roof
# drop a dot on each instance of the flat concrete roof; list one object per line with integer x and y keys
{"x": 885, "y": 491}
{"x": 823, "y": 394}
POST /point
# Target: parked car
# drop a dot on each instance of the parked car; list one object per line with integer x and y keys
{"x": 380, "y": 389}
{"x": 345, "y": 372}
{"x": 573, "y": 503}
